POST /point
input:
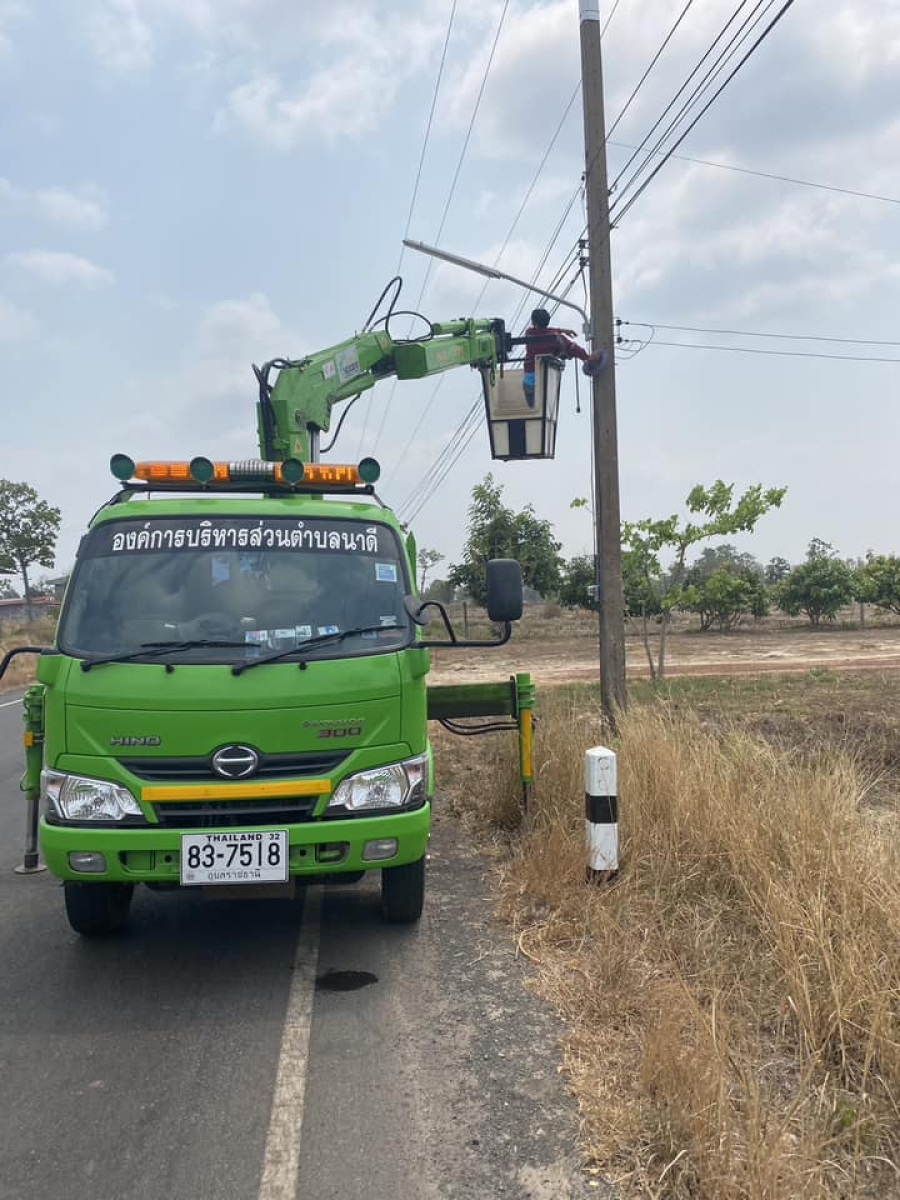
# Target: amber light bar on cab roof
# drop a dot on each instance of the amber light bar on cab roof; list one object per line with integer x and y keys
{"x": 206, "y": 474}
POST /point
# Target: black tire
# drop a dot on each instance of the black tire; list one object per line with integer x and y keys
{"x": 95, "y": 909}
{"x": 403, "y": 892}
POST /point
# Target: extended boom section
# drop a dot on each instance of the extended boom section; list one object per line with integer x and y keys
{"x": 296, "y": 405}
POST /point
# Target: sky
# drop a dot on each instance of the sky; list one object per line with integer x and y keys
{"x": 191, "y": 186}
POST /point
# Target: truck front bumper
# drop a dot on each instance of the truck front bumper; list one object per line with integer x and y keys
{"x": 151, "y": 854}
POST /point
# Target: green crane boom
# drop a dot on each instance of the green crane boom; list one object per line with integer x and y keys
{"x": 296, "y": 408}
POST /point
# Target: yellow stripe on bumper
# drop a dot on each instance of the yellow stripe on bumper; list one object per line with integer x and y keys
{"x": 235, "y": 791}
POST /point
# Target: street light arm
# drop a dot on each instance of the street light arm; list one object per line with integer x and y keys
{"x": 469, "y": 264}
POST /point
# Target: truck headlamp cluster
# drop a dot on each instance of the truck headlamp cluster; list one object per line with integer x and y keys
{"x": 400, "y": 785}
{"x": 203, "y": 472}
{"x": 77, "y": 798}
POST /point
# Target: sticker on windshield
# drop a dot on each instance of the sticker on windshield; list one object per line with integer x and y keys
{"x": 386, "y": 572}
{"x": 326, "y": 629}
{"x": 303, "y": 631}
{"x": 256, "y": 637}
{"x": 387, "y": 622}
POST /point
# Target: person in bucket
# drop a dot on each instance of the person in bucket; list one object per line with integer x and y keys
{"x": 543, "y": 338}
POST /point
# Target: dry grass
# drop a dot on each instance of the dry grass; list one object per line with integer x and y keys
{"x": 732, "y": 998}
{"x": 21, "y": 670}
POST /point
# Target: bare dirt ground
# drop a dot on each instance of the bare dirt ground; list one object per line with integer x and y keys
{"x": 751, "y": 652}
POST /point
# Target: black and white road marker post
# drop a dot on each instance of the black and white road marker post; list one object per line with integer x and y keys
{"x": 601, "y": 813}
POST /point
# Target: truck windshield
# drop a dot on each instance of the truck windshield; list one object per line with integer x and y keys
{"x": 241, "y": 588}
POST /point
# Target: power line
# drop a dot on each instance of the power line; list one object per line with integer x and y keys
{"x": 427, "y": 479}
{"x": 461, "y": 439}
{"x": 465, "y": 147}
{"x": 437, "y": 472}
{"x": 452, "y": 192}
{"x": 778, "y": 353}
{"x": 761, "y": 10}
{"x": 423, "y": 489}
{"x": 418, "y": 179}
{"x": 612, "y": 13}
{"x": 825, "y": 187}
{"x": 525, "y": 199}
{"x": 662, "y": 116}
{"x": 791, "y": 337}
{"x": 640, "y": 83}
{"x": 762, "y": 37}
{"x": 506, "y": 241}
{"x": 437, "y": 86}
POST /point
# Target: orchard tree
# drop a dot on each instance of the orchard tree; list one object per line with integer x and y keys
{"x": 878, "y": 582}
{"x": 496, "y": 531}
{"x": 578, "y": 580}
{"x": 776, "y": 570}
{"x": 819, "y": 587}
{"x": 29, "y": 528}
{"x": 714, "y": 558}
{"x": 720, "y": 516}
{"x": 724, "y": 598}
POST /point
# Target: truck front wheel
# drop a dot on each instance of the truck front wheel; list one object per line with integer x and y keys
{"x": 403, "y": 892}
{"x": 95, "y": 909}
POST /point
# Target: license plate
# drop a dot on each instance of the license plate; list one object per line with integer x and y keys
{"x": 208, "y": 858}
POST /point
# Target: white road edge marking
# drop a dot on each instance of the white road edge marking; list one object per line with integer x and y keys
{"x": 281, "y": 1161}
{"x": 10, "y": 703}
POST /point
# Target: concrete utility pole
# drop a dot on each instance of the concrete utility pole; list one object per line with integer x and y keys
{"x": 607, "y": 526}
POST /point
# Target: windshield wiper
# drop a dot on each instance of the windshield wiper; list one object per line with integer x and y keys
{"x": 153, "y": 649}
{"x": 322, "y": 639}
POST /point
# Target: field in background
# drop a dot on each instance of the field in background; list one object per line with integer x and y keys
{"x": 732, "y": 999}
{"x": 21, "y": 670}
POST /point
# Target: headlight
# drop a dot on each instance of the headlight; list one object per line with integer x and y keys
{"x": 400, "y": 785}
{"x": 75, "y": 798}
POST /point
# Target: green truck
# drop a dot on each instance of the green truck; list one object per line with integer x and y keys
{"x": 237, "y": 696}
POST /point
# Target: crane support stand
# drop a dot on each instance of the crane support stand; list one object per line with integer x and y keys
{"x": 30, "y": 785}
{"x": 525, "y": 702}
{"x": 601, "y": 814}
{"x": 514, "y": 699}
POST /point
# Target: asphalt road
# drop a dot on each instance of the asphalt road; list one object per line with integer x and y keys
{"x": 272, "y": 1050}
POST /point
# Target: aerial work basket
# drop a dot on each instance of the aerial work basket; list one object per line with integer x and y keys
{"x": 522, "y": 423}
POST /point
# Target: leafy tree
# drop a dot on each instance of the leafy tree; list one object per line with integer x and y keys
{"x": 7, "y": 591}
{"x": 714, "y": 558}
{"x": 819, "y": 587}
{"x": 496, "y": 531}
{"x": 440, "y": 590}
{"x": 29, "y": 528}
{"x": 878, "y": 582}
{"x": 578, "y": 580}
{"x": 647, "y": 540}
{"x": 427, "y": 560}
{"x": 776, "y": 570}
{"x": 725, "y": 597}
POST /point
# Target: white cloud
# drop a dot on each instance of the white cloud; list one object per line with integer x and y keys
{"x": 16, "y": 324}
{"x": 83, "y": 208}
{"x": 368, "y": 61}
{"x": 120, "y": 37}
{"x": 10, "y": 12}
{"x": 59, "y": 267}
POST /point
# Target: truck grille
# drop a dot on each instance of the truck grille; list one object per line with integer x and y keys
{"x": 199, "y": 770}
{"x": 227, "y": 814}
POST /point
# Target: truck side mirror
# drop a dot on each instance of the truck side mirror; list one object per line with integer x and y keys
{"x": 504, "y": 590}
